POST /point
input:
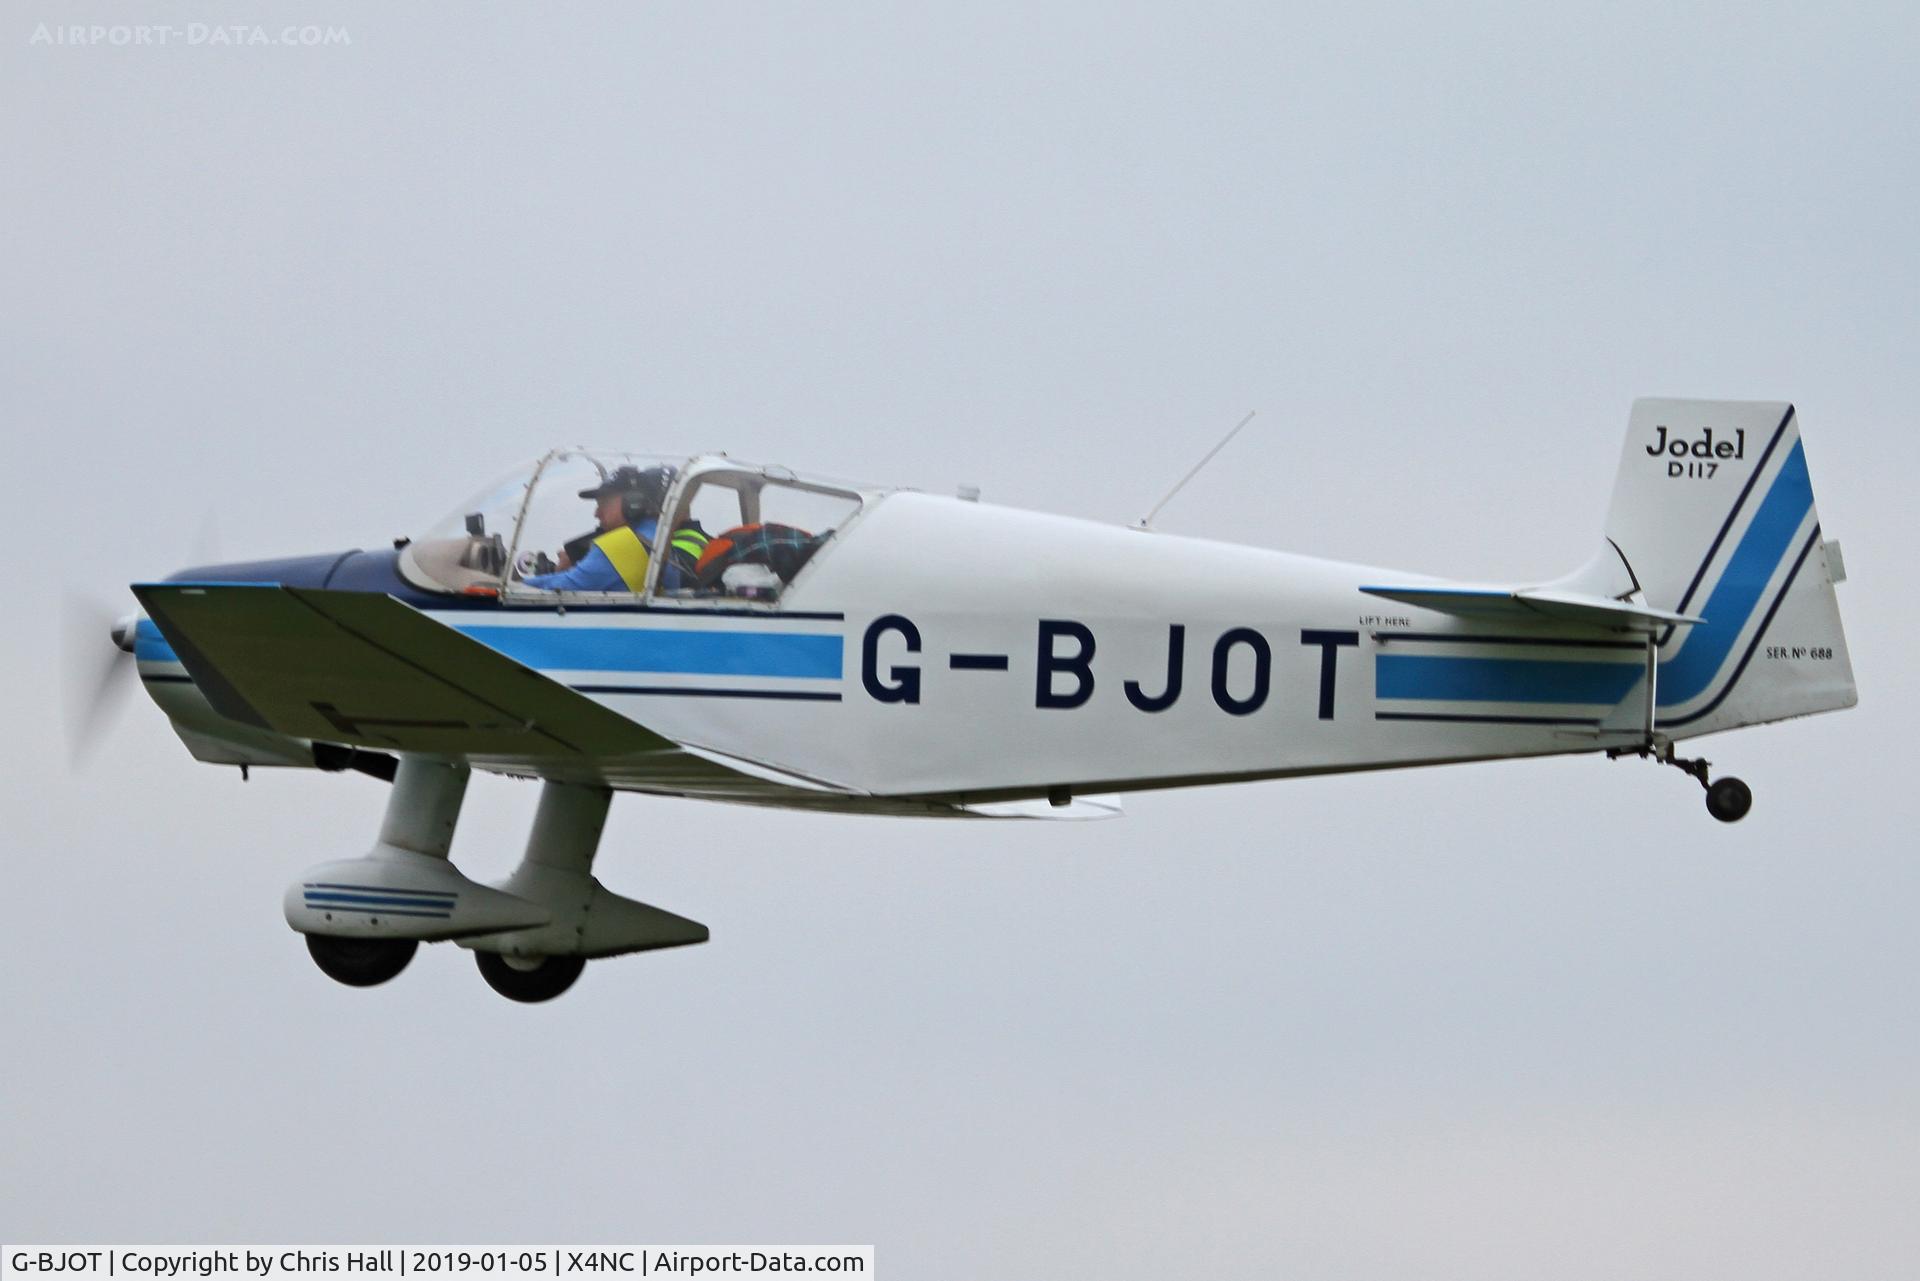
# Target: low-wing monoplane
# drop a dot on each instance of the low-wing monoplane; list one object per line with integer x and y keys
{"x": 747, "y": 633}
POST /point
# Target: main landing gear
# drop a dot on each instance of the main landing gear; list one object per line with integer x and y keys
{"x": 360, "y": 962}
{"x": 529, "y": 979}
{"x": 531, "y": 935}
{"x": 1728, "y": 799}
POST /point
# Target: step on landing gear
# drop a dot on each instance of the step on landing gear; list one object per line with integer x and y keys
{"x": 1728, "y": 799}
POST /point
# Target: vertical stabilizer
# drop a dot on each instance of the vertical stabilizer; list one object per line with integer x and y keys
{"x": 1713, "y": 516}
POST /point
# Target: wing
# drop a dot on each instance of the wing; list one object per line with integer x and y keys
{"x": 368, "y": 671}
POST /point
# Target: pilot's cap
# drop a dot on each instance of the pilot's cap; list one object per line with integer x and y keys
{"x": 649, "y": 485}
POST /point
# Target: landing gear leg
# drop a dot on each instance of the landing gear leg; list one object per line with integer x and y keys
{"x": 350, "y": 935}
{"x": 586, "y": 920}
{"x": 540, "y": 965}
{"x": 1728, "y": 799}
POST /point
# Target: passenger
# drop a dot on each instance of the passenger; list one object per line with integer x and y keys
{"x": 781, "y": 549}
{"x": 627, "y": 513}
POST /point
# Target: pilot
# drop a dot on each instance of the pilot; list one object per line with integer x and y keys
{"x": 627, "y": 513}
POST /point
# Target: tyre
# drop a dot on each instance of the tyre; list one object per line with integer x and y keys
{"x": 360, "y": 962}
{"x": 529, "y": 979}
{"x": 1728, "y": 799}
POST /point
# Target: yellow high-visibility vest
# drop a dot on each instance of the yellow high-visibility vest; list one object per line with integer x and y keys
{"x": 628, "y": 554}
{"x": 691, "y": 541}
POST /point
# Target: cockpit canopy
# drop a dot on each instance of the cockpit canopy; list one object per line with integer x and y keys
{"x": 724, "y": 531}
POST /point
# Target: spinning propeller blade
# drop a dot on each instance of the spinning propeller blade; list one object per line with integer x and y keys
{"x": 96, "y": 658}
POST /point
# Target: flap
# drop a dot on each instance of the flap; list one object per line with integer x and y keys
{"x": 1080, "y": 809}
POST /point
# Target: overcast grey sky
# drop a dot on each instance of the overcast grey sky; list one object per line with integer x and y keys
{"x": 1486, "y": 1022}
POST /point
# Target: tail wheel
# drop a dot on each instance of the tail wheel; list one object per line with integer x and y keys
{"x": 529, "y": 979}
{"x": 360, "y": 962}
{"x": 1728, "y": 799}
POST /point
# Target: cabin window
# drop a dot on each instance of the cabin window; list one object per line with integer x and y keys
{"x": 745, "y": 535}
{"x": 589, "y": 527}
{"x": 604, "y": 526}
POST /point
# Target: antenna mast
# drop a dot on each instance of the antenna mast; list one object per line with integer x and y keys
{"x": 1146, "y": 521}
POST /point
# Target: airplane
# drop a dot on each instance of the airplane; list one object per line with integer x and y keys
{"x": 764, "y": 637}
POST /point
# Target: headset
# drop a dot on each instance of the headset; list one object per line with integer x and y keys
{"x": 646, "y": 495}
{"x": 642, "y": 493}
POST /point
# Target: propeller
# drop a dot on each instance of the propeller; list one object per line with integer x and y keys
{"x": 95, "y": 678}
{"x": 96, "y": 675}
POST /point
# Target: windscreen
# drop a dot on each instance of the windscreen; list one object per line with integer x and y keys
{"x": 467, "y": 549}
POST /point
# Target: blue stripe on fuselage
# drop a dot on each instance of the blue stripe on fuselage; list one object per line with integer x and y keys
{"x": 1501, "y": 680}
{"x": 621, "y": 649}
{"x": 613, "y": 649}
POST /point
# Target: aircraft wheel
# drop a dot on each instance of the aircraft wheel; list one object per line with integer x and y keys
{"x": 527, "y": 979}
{"x": 1728, "y": 799}
{"x": 360, "y": 962}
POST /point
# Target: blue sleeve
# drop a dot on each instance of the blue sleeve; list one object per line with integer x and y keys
{"x": 594, "y": 574}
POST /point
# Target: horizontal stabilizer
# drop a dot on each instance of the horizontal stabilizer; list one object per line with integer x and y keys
{"x": 1533, "y": 604}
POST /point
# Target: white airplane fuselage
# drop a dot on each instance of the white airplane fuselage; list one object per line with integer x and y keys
{"x": 972, "y": 652}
